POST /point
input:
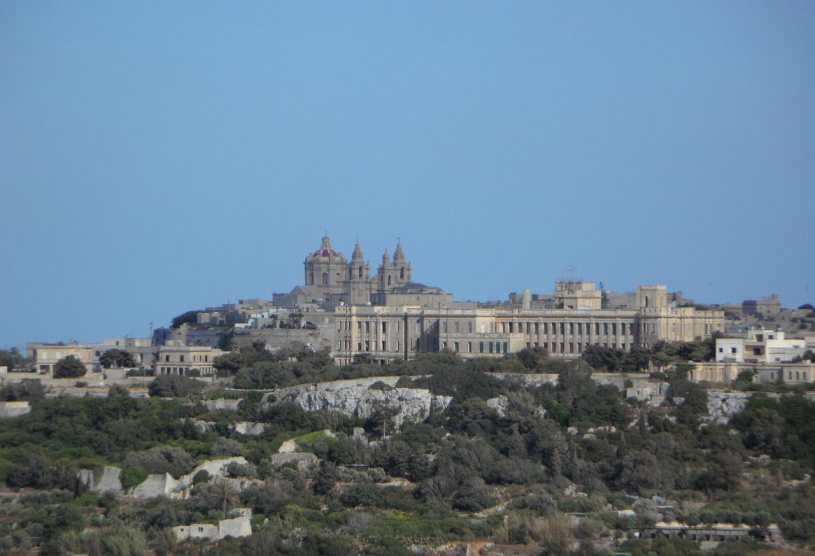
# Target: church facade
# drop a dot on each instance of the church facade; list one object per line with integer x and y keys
{"x": 330, "y": 280}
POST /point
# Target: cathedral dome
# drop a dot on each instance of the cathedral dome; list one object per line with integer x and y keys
{"x": 325, "y": 254}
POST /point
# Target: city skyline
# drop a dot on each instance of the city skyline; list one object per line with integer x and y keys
{"x": 161, "y": 158}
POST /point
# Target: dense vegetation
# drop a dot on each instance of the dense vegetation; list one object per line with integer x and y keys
{"x": 511, "y": 476}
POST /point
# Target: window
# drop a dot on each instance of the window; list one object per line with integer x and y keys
{"x": 384, "y": 327}
{"x": 455, "y": 347}
{"x": 480, "y": 347}
{"x": 469, "y": 347}
{"x": 181, "y": 359}
{"x": 325, "y": 278}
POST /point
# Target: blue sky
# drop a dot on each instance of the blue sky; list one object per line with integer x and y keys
{"x": 157, "y": 157}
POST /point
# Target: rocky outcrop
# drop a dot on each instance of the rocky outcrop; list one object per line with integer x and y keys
{"x": 229, "y": 405}
{"x": 722, "y": 406}
{"x": 248, "y": 429}
{"x": 108, "y": 480}
{"x": 499, "y": 404}
{"x": 302, "y": 460}
{"x": 357, "y": 397}
{"x": 166, "y": 485}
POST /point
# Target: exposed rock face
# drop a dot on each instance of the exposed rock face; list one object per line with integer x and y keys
{"x": 355, "y": 397}
{"x": 214, "y": 405}
{"x": 108, "y": 481}
{"x": 303, "y": 460}
{"x": 248, "y": 429}
{"x": 203, "y": 426}
{"x": 166, "y": 485}
{"x": 722, "y": 406}
{"x": 499, "y": 404}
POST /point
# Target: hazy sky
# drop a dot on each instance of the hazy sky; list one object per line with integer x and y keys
{"x": 157, "y": 157}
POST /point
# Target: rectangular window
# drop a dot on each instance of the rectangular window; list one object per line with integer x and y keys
{"x": 455, "y": 347}
{"x": 444, "y": 326}
{"x": 480, "y": 347}
{"x": 384, "y": 345}
{"x": 471, "y": 328}
{"x": 490, "y": 347}
{"x": 166, "y": 358}
{"x": 469, "y": 347}
{"x": 505, "y": 347}
{"x": 384, "y": 328}
{"x": 614, "y": 328}
{"x": 455, "y": 326}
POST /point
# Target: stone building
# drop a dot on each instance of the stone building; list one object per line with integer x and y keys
{"x": 178, "y": 359}
{"x": 388, "y": 316}
{"x": 384, "y": 333}
{"x": 332, "y": 281}
{"x": 46, "y": 356}
{"x": 760, "y": 346}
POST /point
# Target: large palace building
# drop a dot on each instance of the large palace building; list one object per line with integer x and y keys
{"x": 389, "y": 316}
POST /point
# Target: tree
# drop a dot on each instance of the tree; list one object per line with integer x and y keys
{"x": 174, "y": 386}
{"x": 222, "y": 494}
{"x": 327, "y": 476}
{"x": 28, "y": 389}
{"x": 6, "y": 360}
{"x": 117, "y": 358}
{"x": 530, "y": 357}
{"x": 472, "y": 495}
{"x": 69, "y": 367}
{"x": 190, "y": 317}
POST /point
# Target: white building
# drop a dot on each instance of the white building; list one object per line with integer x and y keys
{"x": 760, "y": 346}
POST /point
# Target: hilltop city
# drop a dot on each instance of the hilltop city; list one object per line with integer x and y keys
{"x": 367, "y": 413}
{"x": 354, "y": 316}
